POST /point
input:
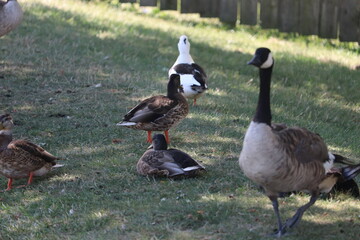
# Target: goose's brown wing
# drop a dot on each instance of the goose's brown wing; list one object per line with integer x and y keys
{"x": 304, "y": 145}
{"x": 150, "y": 109}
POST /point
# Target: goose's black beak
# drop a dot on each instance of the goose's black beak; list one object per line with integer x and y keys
{"x": 256, "y": 61}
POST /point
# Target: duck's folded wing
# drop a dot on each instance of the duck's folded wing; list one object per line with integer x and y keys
{"x": 199, "y": 74}
{"x": 150, "y": 109}
{"x": 162, "y": 161}
{"x": 183, "y": 159}
{"x": 193, "y": 69}
{"x": 173, "y": 168}
{"x": 32, "y": 149}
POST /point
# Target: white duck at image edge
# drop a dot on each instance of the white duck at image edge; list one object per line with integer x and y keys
{"x": 11, "y": 16}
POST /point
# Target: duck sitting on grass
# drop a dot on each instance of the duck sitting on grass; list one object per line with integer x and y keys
{"x": 21, "y": 158}
{"x": 163, "y": 162}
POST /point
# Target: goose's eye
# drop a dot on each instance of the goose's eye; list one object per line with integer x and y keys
{"x": 184, "y": 40}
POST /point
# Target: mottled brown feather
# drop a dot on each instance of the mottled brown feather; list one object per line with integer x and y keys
{"x": 159, "y": 113}
{"x": 15, "y": 162}
{"x": 34, "y": 150}
{"x": 302, "y": 144}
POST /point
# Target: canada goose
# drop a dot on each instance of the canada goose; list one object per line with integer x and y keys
{"x": 192, "y": 77}
{"x": 11, "y": 16}
{"x": 285, "y": 159}
{"x": 159, "y": 113}
{"x": 163, "y": 162}
{"x": 21, "y": 158}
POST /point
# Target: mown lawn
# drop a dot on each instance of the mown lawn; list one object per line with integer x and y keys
{"x": 72, "y": 70}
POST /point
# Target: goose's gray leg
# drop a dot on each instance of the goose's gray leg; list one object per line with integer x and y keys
{"x": 281, "y": 230}
{"x": 291, "y": 222}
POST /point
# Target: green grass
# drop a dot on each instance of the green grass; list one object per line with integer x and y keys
{"x": 51, "y": 67}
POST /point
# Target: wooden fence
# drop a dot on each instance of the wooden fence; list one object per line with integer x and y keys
{"x": 325, "y": 18}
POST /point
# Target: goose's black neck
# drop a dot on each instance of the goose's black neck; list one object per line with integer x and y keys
{"x": 263, "y": 110}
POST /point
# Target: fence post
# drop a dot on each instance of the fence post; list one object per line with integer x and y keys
{"x": 309, "y": 17}
{"x": 269, "y": 13}
{"x": 190, "y": 6}
{"x": 209, "y": 8}
{"x": 248, "y": 12}
{"x": 349, "y": 20}
{"x": 228, "y": 11}
{"x": 288, "y": 19}
{"x": 151, "y": 3}
{"x": 329, "y": 19}
{"x": 168, "y": 4}
{"x": 358, "y": 25}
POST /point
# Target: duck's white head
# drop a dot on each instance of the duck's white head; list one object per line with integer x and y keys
{"x": 184, "y": 45}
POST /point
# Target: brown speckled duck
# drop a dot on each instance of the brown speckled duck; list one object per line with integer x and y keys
{"x": 159, "y": 113}
{"x": 163, "y": 162}
{"x": 11, "y": 16}
{"x": 21, "y": 158}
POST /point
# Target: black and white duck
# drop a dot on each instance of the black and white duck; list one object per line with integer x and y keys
{"x": 192, "y": 76}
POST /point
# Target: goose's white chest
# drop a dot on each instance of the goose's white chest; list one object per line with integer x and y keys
{"x": 258, "y": 157}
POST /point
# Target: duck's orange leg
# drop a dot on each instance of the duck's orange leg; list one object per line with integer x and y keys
{"x": 30, "y": 179}
{"x": 31, "y": 175}
{"x": 167, "y": 136}
{"x": 194, "y": 103}
{"x": 149, "y": 138}
{"x": 9, "y": 185}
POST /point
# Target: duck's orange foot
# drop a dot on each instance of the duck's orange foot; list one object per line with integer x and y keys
{"x": 149, "y": 138}
{"x": 9, "y": 185}
{"x": 167, "y": 136}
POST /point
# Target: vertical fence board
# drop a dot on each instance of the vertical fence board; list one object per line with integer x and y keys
{"x": 349, "y": 20}
{"x": 168, "y": 4}
{"x": 288, "y": 18}
{"x": 248, "y": 12}
{"x": 190, "y": 6}
{"x": 209, "y": 8}
{"x": 269, "y": 13}
{"x": 150, "y": 3}
{"x": 329, "y": 13}
{"x": 359, "y": 24}
{"x": 309, "y": 17}
{"x": 228, "y": 11}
